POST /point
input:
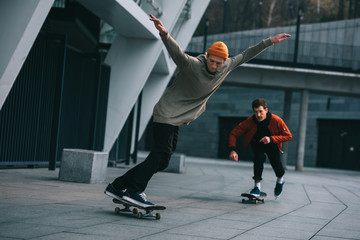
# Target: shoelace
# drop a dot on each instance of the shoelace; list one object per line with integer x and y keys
{"x": 143, "y": 196}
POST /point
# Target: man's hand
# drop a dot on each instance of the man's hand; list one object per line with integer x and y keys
{"x": 280, "y": 37}
{"x": 265, "y": 140}
{"x": 233, "y": 156}
{"x": 158, "y": 25}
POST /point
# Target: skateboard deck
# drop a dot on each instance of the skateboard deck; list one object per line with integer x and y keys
{"x": 147, "y": 211}
{"x": 253, "y": 199}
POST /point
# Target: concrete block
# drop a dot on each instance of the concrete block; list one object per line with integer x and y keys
{"x": 177, "y": 163}
{"x": 84, "y": 166}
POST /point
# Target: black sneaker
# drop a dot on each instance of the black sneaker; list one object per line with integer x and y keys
{"x": 138, "y": 198}
{"x": 278, "y": 189}
{"x": 114, "y": 193}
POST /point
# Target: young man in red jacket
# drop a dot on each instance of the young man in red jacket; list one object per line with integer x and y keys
{"x": 265, "y": 132}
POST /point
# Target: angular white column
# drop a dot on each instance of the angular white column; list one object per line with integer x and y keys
{"x": 131, "y": 61}
{"x": 138, "y": 59}
{"x": 20, "y": 23}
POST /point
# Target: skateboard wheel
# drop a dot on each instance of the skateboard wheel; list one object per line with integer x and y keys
{"x": 135, "y": 211}
{"x": 139, "y": 215}
{"x": 256, "y": 201}
{"x": 117, "y": 210}
{"x": 263, "y": 201}
{"x": 243, "y": 200}
{"x": 157, "y": 216}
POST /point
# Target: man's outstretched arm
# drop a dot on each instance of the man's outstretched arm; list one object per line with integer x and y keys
{"x": 176, "y": 52}
{"x": 255, "y": 50}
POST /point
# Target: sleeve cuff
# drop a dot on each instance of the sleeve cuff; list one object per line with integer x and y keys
{"x": 268, "y": 42}
{"x": 232, "y": 149}
{"x": 166, "y": 36}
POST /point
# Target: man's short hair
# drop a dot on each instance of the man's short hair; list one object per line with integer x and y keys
{"x": 259, "y": 102}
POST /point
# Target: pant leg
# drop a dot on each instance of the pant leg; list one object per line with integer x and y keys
{"x": 168, "y": 153}
{"x": 273, "y": 153}
{"x": 258, "y": 160}
{"x": 164, "y": 144}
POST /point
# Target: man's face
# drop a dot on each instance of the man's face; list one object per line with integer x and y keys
{"x": 214, "y": 62}
{"x": 260, "y": 113}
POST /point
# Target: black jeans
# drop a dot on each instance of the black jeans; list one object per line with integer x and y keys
{"x": 165, "y": 137}
{"x": 273, "y": 153}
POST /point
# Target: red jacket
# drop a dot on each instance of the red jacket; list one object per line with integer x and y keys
{"x": 278, "y": 130}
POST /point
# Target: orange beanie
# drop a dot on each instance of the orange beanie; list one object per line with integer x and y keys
{"x": 219, "y": 49}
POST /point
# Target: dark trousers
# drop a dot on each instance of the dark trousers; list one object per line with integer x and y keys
{"x": 165, "y": 137}
{"x": 273, "y": 153}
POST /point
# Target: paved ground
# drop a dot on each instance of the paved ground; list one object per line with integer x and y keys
{"x": 203, "y": 203}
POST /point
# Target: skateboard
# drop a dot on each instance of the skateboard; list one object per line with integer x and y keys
{"x": 136, "y": 209}
{"x": 253, "y": 199}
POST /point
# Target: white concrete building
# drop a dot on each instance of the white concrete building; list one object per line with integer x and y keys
{"x": 138, "y": 60}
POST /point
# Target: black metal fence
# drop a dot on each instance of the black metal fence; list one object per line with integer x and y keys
{"x": 58, "y": 101}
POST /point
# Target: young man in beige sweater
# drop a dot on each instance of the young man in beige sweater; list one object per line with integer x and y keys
{"x": 184, "y": 101}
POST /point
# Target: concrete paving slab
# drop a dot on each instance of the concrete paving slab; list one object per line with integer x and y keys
{"x": 340, "y": 233}
{"x": 320, "y": 210}
{"x": 326, "y": 238}
{"x": 202, "y": 203}
{"x": 253, "y": 236}
{"x": 281, "y": 233}
{"x": 71, "y": 235}
{"x": 117, "y": 230}
{"x": 28, "y": 231}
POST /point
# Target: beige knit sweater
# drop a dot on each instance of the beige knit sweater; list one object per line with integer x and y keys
{"x": 185, "y": 100}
